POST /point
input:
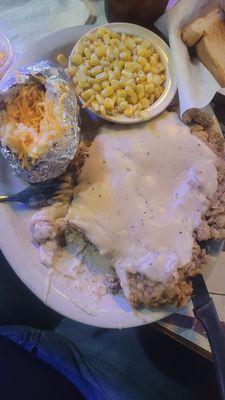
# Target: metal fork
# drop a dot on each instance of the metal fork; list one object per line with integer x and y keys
{"x": 44, "y": 194}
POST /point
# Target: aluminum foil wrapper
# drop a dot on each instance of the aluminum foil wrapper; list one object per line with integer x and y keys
{"x": 55, "y": 162}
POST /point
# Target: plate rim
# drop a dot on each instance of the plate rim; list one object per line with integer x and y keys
{"x": 56, "y": 300}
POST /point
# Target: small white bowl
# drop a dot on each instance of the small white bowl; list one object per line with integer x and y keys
{"x": 170, "y": 86}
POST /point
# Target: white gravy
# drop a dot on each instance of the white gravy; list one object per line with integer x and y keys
{"x": 142, "y": 192}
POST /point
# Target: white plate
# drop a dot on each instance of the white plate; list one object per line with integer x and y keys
{"x": 170, "y": 87}
{"x": 15, "y": 238}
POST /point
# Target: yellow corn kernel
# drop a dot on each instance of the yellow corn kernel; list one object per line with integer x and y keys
{"x": 156, "y": 79}
{"x": 140, "y": 88}
{"x": 121, "y": 93}
{"x": 122, "y": 105}
{"x": 83, "y": 84}
{"x": 130, "y": 91}
{"x": 154, "y": 59}
{"x": 145, "y": 103}
{"x": 114, "y": 35}
{"x": 106, "y": 38}
{"x": 87, "y": 64}
{"x": 101, "y": 32}
{"x": 118, "y": 66}
{"x": 137, "y": 109}
{"x": 81, "y": 77}
{"x": 141, "y": 95}
{"x": 61, "y": 59}
{"x": 144, "y": 115}
{"x": 141, "y": 75}
{"x": 94, "y": 104}
{"x": 79, "y": 49}
{"x": 107, "y": 69}
{"x": 107, "y": 92}
{"x": 142, "y": 51}
{"x": 132, "y": 66}
{"x": 138, "y": 40}
{"x": 131, "y": 84}
{"x": 147, "y": 68}
{"x": 152, "y": 98}
{"x": 154, "y": 70}
{"x": 87, "y": 52}
{"x": 114, "y": 98}
{"x": 122, "y": 47}
{"x": 115, "y": 84}
{"x": 149, "y": 88}
{"x": 101, "y": 51}
{"x": 110, "y": 54}
{"x": 76, "y": 59}
{"x": 94, "y": 60}
{"x": 117, "y": 75}
{"x": 92, "y": 47}
{"x": 87, "y": 93}
{"x": 134, "y": 99}
{"x": 102, "y": 110}
{"x": 105, "y": 84}
{"x": 149, "y": 77}
{"x": 158, "y": 91}
{"x": 108, "y": 104}
{"x": 97, "y": 87}
{"x": 92, "y": 81}
{"x": 104, "y": 63}
{"x": 99, "y": 99}
{"x": 71, "y": 71}
{"x": 142, "y": 61}
{"x": 101, "y": 77}
{"x": 146, "y": 44}
{"x": 111, "y": 75}
{"x": 115, "y": 42}
{"x": 161, "y": 67}
{"x": 163, "y": 78}
{"x": 128, "y": 110}
{"x": 119, "y": 99}
{"x": 85, "y": 42}
{"x": 128, "y": 74}
{"x": 82, "y": 69}
{"x": 96, "y": 70}
{"x": 125, "y": 55}
{"x": 123, "y": 82}
{"x": 129, "y": 43}
{"x": 116, "y": 53}
{"x": 91, "y": 37}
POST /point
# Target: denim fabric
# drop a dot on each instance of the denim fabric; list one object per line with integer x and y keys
{"x": 102, "y": 364}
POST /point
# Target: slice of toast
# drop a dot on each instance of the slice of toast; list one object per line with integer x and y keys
{"x": 207, "y": 34}
{"x": 211, "y": 51}
{"x": 195, "y": 30}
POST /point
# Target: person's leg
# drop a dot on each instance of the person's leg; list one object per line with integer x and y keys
{"x": 103, "y": 364}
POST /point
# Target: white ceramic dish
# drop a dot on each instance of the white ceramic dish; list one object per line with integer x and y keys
{"x": 15, "y": 238}
{"x": 170, "y": 87}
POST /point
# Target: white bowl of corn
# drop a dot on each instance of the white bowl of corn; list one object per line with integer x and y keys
{"x": 123, "y": 72}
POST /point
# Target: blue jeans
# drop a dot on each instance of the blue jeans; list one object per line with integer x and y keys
{"x": 102, "y": 364}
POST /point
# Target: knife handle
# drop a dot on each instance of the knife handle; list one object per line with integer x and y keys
{"x": 208, "y": 316}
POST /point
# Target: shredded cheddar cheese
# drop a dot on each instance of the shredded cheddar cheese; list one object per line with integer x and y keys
{"x": 27, "y": 107}
{"x": 31, "y": 122}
